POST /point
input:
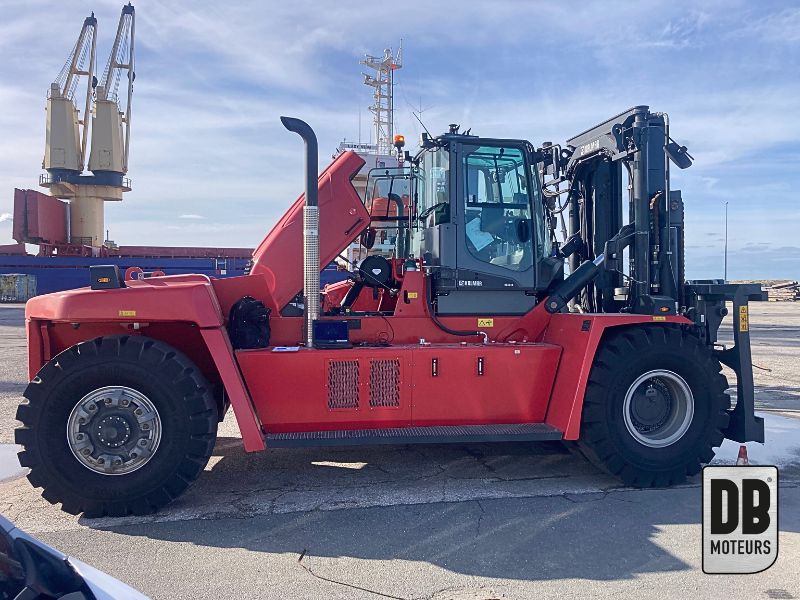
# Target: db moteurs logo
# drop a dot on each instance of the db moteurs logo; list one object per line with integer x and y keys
{"x": 740, "y": 519}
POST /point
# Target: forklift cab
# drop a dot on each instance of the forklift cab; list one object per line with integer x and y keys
{"x": 479, "y": 225}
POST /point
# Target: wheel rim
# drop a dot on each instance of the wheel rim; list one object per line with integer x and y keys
{"x": 658, "y": 408}
{"x": 114, "y": 430}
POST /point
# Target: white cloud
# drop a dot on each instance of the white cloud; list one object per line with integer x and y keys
{"x": 191, "y": 216}
{"x": 5, "y": 217}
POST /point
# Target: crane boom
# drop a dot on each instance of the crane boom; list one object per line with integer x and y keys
{"x": 110, "y": 146}
{"x": 67, "y": 132}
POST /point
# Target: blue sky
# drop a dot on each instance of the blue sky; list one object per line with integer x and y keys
{"x": 211, "y": 164}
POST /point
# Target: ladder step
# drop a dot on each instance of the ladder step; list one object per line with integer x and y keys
{"x": 438, "y": 434}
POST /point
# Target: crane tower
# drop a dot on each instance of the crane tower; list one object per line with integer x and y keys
{"x": 68, "y": 130}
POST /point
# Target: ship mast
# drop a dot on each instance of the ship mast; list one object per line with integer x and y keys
{"x": 382, "y": 83}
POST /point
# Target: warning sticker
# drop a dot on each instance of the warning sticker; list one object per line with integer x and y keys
{"x": 744, "y": 319}
{"x": 412, "y": 295}
{"x": 127, "y": 313}
{"x": 485, "y": 322}
{"x": 659, "y": 318}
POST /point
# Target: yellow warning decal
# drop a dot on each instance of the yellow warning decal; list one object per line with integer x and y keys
{"x": 127, "y": 313}
{"x": 485, "y": 322}
{"x": 659, "y": 318}
{"x": 412, "y": 295}
{"x": 744, "y": 319}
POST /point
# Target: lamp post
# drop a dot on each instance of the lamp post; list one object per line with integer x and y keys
{"x": 726, "y": 242}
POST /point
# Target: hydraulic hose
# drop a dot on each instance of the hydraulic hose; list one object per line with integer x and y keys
{"x": 445, "y": 328}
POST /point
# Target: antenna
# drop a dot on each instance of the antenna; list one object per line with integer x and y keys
{"x": 421, "y": 123}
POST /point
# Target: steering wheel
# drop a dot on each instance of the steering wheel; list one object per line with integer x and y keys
{"x": 426, "y": 213}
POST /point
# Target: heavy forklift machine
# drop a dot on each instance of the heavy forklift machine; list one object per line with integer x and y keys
{"x": 468, "y": 330}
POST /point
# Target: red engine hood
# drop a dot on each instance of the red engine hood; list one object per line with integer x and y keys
{"x": 174, "y": 298}
{"x": 342, "y": 217}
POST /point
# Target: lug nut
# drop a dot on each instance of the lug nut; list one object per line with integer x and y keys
{"x": 143, "y": 442}
{"x": 117, "y": 462}
{"x": 138, "y": 412}
{"x": 92, "y": 407}
{"x": 82, "y": 421}
{"x": 86, "y": 452}
{"x": 79, "y": 437}
{"x": 124, "y": 403}
{"x": 101, "y": 461}
{"x": 145, "y": 426}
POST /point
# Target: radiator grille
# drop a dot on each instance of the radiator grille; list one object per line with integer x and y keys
{"x": 384, "y": 382}
{"x": 343, "y": 384}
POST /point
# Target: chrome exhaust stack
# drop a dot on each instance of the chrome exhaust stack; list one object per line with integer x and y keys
{"x": 310, "y": 226}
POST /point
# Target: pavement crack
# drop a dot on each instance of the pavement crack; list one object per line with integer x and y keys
{"x": 480, "y": 518}
{"x": 310, "y": 571}
{"x": 584, "y": 497}
{"x": 481, "y": 458}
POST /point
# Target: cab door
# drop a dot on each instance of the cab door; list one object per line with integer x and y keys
{"x": 491, "y": 210}
{"x": 434, "y": 238}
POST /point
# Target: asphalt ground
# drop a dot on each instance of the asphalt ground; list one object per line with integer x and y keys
{"x": 473, "y": 521}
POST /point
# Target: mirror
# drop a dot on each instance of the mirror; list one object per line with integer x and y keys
{"x": 368, "y": 238}
{"x": 678, "y": 154}
{"x": 555, "y": 159}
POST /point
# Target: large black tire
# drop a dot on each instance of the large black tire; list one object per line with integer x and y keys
{"x": 175, "y": 388}
{"x": 623, "y": 357}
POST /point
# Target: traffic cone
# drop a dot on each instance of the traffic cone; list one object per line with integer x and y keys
{"x": 742, "y": 460}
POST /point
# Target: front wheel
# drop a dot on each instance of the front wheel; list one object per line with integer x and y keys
{"x": 655, "y": 406}
{"x": 116, "y": 425}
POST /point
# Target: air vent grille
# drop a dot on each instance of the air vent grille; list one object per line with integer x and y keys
{"x": 343, "y": 385}
{"x": 384, "y": 383}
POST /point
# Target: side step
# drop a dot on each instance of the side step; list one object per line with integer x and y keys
{"x": 439, "y": 434}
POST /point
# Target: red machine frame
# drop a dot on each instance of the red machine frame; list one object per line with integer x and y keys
{"x": 439, "y": 379}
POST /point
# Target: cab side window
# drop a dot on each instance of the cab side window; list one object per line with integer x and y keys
{"x": 497, "y": 207}
{"x": 434, "y": 188}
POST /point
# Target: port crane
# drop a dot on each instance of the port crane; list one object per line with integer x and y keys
{"x": 69, "y": 130}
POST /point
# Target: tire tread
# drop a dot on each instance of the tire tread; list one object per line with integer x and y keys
{"x": 162, "y": 360}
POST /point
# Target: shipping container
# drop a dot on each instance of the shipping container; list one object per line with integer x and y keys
{"x": 17, "y": 287}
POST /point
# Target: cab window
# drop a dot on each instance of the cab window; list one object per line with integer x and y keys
{"x": 433, "y": 181}
{"x": 388, "y": 201}
{"x": 497, "y": 207}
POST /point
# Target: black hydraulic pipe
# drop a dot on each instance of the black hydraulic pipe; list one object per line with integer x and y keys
{"x": 574, "y": 225}
{"x": 640, "y": 273}
{"x": 573, "y": 284}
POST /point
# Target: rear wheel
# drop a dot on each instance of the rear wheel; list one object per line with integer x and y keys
{"x": 655, "y": 406}
{"x": 116, "y": 425}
